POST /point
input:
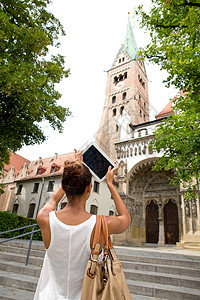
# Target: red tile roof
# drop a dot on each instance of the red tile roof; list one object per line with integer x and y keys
{"x": 167, "y": 111}
{"x": 47, "y": 163}
{"x": 18, "y": 162}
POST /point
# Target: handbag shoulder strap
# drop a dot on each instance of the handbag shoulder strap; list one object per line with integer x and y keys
{"x": 108, "y": 242}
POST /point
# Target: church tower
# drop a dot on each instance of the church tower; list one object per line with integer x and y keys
{"x": 126, "y": 96}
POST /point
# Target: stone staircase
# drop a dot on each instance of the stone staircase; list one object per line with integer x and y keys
{"x": 151, "y": 273}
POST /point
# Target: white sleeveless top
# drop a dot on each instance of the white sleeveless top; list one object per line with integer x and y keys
{"x": 65, "y": 260}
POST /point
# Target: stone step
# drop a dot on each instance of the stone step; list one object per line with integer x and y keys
{"x": 36, "y": 245}
{"x": 17, "y": 267}
{"x": 37, "y": 261}
{"x": 151, "y": 274}
{"x": 18, "y": 294}
{"x": 167, "y": 279}
{"x": 160, "y": 291}
{"x": 170, "y": 261}
{"x": 15, "y": 294}
{"x": 161, "y": 268}
{"x": 25, "y": 282}
{"x": 21, "y": 250}
{"x": 140, "y": 297}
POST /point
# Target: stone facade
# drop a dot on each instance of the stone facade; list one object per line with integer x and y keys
{"x": 158, "y": 209}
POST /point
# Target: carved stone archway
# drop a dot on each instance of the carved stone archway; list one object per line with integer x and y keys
{"x": 144, "y": 185}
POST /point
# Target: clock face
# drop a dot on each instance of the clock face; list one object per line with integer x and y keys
{"x": 119, "y": 85}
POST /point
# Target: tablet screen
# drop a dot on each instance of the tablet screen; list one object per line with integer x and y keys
{"x": 96, "y": 162}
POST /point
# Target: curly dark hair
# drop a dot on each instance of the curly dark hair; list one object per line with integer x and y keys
{"x": 76, "y": 177}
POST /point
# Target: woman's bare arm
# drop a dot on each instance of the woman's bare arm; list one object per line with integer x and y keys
{"x": 120, "y": 223}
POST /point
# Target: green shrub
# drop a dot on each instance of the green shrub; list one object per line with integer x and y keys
{"x": 10, "y": 221}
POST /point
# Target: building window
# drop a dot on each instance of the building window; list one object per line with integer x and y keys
{"x": 144, "y": 117}
{"x": 93, "y": 209}
{"x": 121, "y": 110}
{"x": 120, "y": 60}
{"x": 117, "y": 128}
{"x": 38, "y": 171}
{"x": 125, "y": 75}
{"x": 140, "y": 113}
{"x": 31, "y": 210}
{"x": 96, "y": 186}
{"x": 36, "y": 187}
{"x": 53, "y": 169}
{"x": 123, "y": 59}
{"x": 50, "y": 186}
{"x": 113, "y": 99}
{"x": 124, "y": 96}
{"x": 114, "y": 112}
{"x": 63, "y": 205}
{"x": 15, "y": 208}
{"x": 111, "y": 213}
{"x": 19, "y": 190}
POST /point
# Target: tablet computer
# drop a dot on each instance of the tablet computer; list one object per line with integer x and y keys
{"x": 97, "y": 161}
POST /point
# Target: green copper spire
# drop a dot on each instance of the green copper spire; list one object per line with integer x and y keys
{"x": 129, "y": 42}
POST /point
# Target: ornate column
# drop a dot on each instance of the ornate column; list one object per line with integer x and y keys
{"x": 161, "y": 241}
{"x": 183, "y": 217}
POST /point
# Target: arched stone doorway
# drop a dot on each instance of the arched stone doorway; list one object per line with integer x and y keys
{"x": 148, "y": 192}
{"x": 152, "y": 224}
{"x": 171, "y": 225}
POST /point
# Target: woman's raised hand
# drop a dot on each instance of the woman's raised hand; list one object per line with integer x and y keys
{"x": 110, "y": 174}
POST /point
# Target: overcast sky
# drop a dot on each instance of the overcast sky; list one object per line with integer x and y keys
{"x": 95, "y": 31}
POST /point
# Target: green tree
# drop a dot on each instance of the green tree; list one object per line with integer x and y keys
{"x": 175, "y": 46}
{"x": 28, "y": 74}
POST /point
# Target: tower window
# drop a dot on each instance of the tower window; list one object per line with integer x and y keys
{"x": 121, "y": 77}
{"x": 140, "y": 113}
{"x": 123, "y": 59}
{"x": 113, "y": 99}
{"x": 125, "y": 75}
{"x": 114, "y": 112}
{"x": 124, "y": 96}
{"x": 120, "y": 60}
{"x": 115, "y": 79}
{"x": 121, "y": 110}
{"x": 144, "y": 117}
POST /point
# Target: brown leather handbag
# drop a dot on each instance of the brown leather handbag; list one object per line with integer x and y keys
{"x": 104, "y": 279}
